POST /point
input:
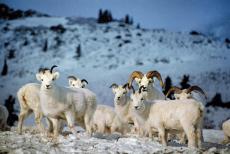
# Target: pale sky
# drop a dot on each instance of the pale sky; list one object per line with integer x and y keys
{"x": 208, "y": 16}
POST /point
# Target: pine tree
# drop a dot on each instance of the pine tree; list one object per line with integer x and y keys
{"x": 127, "y": 19}
{"x": 99, "y": 20}
{"x": 184, "y": 83}
{"x": 45, "y": 47}
{"x": 138, "y": 26}
{"x": 168, "y": 85}
{"x": 5, "y": 68}
{"x": 78, "y": 51}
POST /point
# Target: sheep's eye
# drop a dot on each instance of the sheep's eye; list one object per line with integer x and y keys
{"x": 142, "y": 99}
{"x": 150, "y": 81}
{"x": 53, "y": 79}
{"x": 41, "y": 79}
{"x": 124, "y": 92}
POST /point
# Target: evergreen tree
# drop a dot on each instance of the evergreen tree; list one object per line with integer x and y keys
{"x": 78, "y": 51}
{"x": 45, "y": 47}
{"x": 168, "y": 85}
{"x": 184, "y": 83}
{"x": 5, "y": 68}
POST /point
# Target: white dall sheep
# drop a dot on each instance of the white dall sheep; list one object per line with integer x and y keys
{"x": 146, "y": 81}
{"x": 64, "y": 103}
{"x": 29, "y": 101}
{"x": 170, "y": 116}
{"x": 226, "y": 130}
{"x": 76, "y": 82}
{"x": 122, "y": 104}
{"x": 106, "y": 120}
{"x": 186, "y": 94}
{"x": 3, "y": 118}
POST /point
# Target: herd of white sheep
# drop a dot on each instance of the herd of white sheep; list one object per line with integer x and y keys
{"x": 145, "y": 111}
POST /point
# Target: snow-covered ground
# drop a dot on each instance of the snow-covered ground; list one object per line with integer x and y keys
{"x": 110, "y": 52}
{"x": 33, "y": 142}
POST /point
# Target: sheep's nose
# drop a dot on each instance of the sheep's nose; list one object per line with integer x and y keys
{"x": 47, "y": 86}
{"x": 136, "y": 107}
{"x": 144, "y": 88}
{"x": 118, "y": 98}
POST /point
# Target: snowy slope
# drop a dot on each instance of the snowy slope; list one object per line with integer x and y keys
{"x": 32, "y": 142}
{"x": 110, "y": 52}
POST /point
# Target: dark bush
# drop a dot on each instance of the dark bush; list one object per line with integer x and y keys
{"x": 5, "y": 68}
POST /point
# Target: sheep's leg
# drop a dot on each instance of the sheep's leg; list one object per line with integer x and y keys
{"x": 38, "y": 117}
{"x": 101, "y": 127}
{"x": 182, "y": 137}
{"x": 191, "y": 135}
{"x": 226, "y": 139}
{"x": 70, "y": 121}
{"x": 199, "y": 137}
{"x": 23, "y": 114}
{"x": 55, "y": 124}
{"x": 162, "y": 135}
{"x": 88, "y": 127}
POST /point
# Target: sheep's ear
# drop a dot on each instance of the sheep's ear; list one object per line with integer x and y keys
{"x": 38, "y": 76}
{"x": 56, "y": 75}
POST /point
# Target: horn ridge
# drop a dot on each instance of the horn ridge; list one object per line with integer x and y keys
{"x": 174, "y": 89}
{"x": 51, "y": 69}
{"x": 156, "y": 74}
{"x": 196, "y": 88}
{"x": 135, "y": 74}
{"x": 84, "y": 80}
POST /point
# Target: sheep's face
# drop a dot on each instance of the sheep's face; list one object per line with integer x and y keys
{"x": 138, "y": 101}
{"x": 183, "y": 95}
{"x": 77, "y": 83}
{"x": 47, "y": 78}
{"x": 120, "y": 93}
{"x": 145, "y": 82}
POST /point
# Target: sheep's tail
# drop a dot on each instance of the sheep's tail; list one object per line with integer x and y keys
{"x": 21, "y": 98}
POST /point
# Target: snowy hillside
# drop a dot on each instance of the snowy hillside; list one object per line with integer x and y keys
{"x": 32, "y": 142}
{"x": 109, "y": 53}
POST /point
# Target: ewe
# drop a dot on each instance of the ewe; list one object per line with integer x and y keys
{"x": 105, "y": 119}
{"x": 29, "y": 101}
{"x": 3, "y": 118}
{"x": 64, "y": 103}
{"x": 226, "y": 130}
{"x": 169, "y": 116}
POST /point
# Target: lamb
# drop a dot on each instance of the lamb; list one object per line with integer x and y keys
{"x": 64, "y": 103}
{"x": 29, "y": 101}
{"x": 146, "y": 80}
{"x": 105, "y": 120}
{"x": 3, "y": 118}
{"x": 169, "y": 116}
{"x": 76, "y": 82}
{"x": 122, "y": 104}
{"x": 226, "y": 130}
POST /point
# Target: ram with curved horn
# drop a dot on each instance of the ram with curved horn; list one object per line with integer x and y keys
{"x": 147, "y": 81}
{"x": 185, "y": 93}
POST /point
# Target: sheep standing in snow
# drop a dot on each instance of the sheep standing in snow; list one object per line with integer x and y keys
{"x": 122, "y": 104}
{"x": 29, "y": 101}
{"x": 226, "y": 130}
{"x": 76, "y": 82}
{"x": 105, "y": 119}
{"x": 64, "y": 103}
{"x": 3, "y": 118}
{"x": 146, "y": 81}
{"x": 185, "y": 94}
{"x": 170, "y": 116}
